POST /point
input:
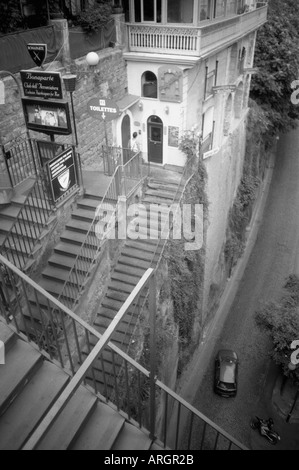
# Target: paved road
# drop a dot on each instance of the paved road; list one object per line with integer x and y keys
{"x": 270, "y": 263}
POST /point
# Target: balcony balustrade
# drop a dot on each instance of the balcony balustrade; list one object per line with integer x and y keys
{"x": 194, "y": 41}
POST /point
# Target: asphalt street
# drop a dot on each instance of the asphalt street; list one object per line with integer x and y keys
{"x": 271, "y": 261}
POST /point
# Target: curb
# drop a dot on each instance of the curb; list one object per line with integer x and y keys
{"x": 283, "y": 405}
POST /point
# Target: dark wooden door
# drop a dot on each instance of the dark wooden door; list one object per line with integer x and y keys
{"x": 155, "y": 140}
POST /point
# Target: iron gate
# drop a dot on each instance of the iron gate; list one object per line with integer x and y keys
{"x": 21, "y": 160}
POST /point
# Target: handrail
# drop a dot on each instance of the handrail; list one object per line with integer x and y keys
{"x": 14, "y": 316}
{"x": 120, "y": 174}
{"x": 86, "y": 239}
{"x": 156, "y": 264}
{"x": 42, "y": 213}
{"x": 78, "y": 378}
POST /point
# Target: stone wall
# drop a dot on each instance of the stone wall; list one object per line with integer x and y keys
{"x": 108, "y": 80}
{"x": 225, "y": 172}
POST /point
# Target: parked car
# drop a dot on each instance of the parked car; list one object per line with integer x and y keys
{"x": 226, "y": 373}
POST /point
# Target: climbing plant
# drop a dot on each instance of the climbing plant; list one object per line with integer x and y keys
{"x": 186, "y": 268}
{"x": 280, "y": 321}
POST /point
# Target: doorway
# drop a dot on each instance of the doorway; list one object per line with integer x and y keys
{"x": 155, "y": 139}
{"x": 126, "y": 138}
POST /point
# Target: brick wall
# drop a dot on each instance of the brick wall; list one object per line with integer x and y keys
{"x": 109, "y": 80}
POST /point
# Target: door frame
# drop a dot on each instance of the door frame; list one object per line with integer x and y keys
{"x": 156, "y": 124}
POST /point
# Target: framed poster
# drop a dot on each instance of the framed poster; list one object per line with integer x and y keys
{"x": 173, "y": 136}
{"x": 49, "y": 117}
{"x": 62, "y": 173}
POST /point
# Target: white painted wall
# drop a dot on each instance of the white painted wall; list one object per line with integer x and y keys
{"x": 171, "y": 114}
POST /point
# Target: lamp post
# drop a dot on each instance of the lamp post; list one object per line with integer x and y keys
{"x": 70, "y": 81}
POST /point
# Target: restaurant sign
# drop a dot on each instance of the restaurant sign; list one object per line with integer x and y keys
{"x": 38, "y": 84}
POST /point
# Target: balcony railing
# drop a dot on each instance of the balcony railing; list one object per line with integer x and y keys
{"x": 164, "y": 39}
{"x": 193, "y": 40}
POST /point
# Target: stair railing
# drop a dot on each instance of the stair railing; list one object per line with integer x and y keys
{"x": 28, "y": 226}
{"x": 139, "y": 307}
{"x": 67, "y": 341}
{"x": 124, "y": 181}
{"x": 132, "y": 174}
{"x": 90, "y": 248}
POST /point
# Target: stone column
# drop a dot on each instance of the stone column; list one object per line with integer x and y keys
{"x": 121, "y": 30}
{"x": 62, "y": 40}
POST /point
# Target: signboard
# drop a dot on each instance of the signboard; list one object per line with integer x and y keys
{"x": 38, "y": 53}
{"x": 42, "y": 84}
{"x": 103, "y": 109}
{"x": 49, "y": 117}
{"x": 62, "y": 173}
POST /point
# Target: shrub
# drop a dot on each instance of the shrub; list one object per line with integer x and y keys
{"x": 93, "y": 19}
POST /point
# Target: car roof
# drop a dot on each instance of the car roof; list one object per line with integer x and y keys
{"x": 227, "y": 371}
{"x": 227, "y": 353}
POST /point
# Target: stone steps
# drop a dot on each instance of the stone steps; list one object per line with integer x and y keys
{"x": 29, "y": 388}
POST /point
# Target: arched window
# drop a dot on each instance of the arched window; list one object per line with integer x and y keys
{"x": 149, "y": 87}
{"x": 227, "y": 115}
{"x": 242, "y": 58}
{"x": 246, "y": 91}
{"x": 238, "y": 100}
{"x": 233, "y": 59}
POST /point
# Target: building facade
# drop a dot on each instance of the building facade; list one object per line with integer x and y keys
{"x": 190, "y": 62}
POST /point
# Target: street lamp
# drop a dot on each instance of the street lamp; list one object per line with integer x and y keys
{"x": 70, "y": 81}
{"x": 92, "y": 58}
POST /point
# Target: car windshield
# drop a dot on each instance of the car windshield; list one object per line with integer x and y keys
{"x": 227, "y": 371}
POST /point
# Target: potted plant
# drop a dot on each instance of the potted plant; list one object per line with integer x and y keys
{"x": 93, "y": 19}
{"x": 117, "y": 8}
{"x": 55, "y": 11}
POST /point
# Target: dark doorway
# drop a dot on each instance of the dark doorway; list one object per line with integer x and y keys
{"x": 155, "y": 139}
{"x": 126, "y": 138}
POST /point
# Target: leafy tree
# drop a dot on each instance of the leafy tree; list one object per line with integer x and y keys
{"x": 11, "y": 17}
{"x": 277, "y": 58}
{"x": 281, "y": 321}
{"x": 94, "y": 18}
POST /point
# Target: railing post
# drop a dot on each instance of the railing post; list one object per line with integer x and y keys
{"x": 153, "y": 312}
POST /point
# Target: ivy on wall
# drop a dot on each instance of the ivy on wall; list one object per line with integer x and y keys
{"x": 256, "y": 157}
{"x": 186, "y": 268}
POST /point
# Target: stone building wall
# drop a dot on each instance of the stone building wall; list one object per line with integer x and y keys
{"x": 107, "y": 80}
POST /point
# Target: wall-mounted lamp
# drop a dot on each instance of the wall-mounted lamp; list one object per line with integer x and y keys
{"x": 166, "y": 109}
{"x": 140, "y": 106}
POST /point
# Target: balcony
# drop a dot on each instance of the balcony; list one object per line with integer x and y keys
{"x": 193, "y": 41}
